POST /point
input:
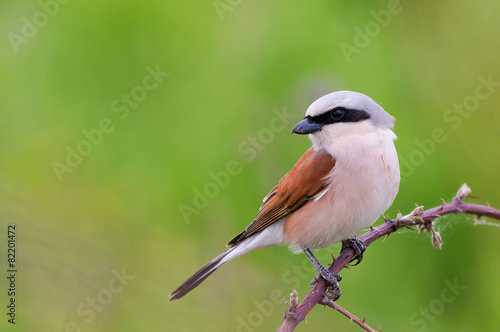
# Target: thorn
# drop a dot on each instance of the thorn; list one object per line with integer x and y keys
{"x": 385, "y": 238}
{"x": 477, "y": 220}
{"x": 348, "y": 267}
{"x": 444, "y": 203}
{"x": 379, "y": 329}
{"x": 333, "y": 258}
{"x": 488, "y": 204}
{"x": 371, "y": 228}
{"x": 364, "y": 319}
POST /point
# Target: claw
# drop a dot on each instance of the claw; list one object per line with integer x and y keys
{"x": 333, "y": 294}
{"x": 331, "y": 278}
{"x": 357, "y": 245}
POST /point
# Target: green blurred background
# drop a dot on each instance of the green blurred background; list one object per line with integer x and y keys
{"x": 231, "y": 66}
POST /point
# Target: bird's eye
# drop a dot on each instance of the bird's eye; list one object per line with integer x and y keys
{"x": 337, "y": 114}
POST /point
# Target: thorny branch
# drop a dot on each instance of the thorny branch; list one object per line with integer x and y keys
{"x": 419, "y": 218}
{"x": 336, "y": 307}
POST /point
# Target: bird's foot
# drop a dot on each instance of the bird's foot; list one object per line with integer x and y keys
{"x": 333, "y": 294}
{"x": 331, "y": 279}
{"x": 357, "y": 245}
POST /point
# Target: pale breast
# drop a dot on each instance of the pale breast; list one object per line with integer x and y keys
{"x": 363, "y": 184}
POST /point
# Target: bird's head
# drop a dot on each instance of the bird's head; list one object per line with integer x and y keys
{"x": 340, "y": 114}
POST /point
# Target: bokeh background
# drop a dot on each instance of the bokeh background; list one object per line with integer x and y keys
{"x": 232, "y": 67}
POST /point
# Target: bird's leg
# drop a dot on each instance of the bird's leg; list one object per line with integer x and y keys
{"x": 357, "y": 245}
{"x": 331, "y": 278}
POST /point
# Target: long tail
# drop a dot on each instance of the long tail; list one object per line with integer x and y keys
{"x": 201, "y": 275}
{"x": 271, "y": 236}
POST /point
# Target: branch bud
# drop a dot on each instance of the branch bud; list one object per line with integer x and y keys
{"x": 463, "y": 191}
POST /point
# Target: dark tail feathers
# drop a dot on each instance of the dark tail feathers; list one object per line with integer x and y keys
{"x": 199, "y": 276}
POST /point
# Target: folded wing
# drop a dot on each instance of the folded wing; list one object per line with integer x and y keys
{"x": 305, "y": 181}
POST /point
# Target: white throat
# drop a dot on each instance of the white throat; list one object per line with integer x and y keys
{"x": 351, "y": 139}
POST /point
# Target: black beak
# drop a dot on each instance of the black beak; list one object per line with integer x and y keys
{"x": 306, "y": 127}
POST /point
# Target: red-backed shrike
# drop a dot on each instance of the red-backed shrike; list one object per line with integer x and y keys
{"x": 340, "y": 186}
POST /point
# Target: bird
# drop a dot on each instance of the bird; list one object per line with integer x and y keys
{"x": 341, "y": 185}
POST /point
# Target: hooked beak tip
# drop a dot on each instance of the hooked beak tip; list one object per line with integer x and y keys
{"x": 306, "y": 127}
